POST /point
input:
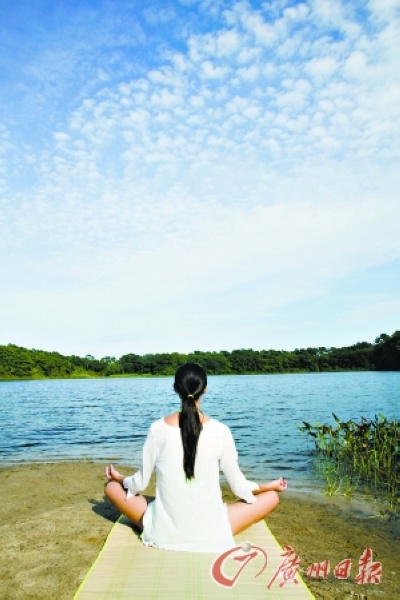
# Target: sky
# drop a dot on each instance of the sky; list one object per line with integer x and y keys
{"x": 180, "y": 175}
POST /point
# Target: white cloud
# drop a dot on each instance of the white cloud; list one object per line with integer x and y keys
{"x": 264, "y": 34}
{"x": 249, "y": 54}
{"x": 211, "y": 71}
{"x": 297, "y": 13}
{"x": 61, "y": 136}
{"x": 356, "y": 65}
{"x": 330, "y": 12}
{"x": 248, "y": 73}
{"x": 322, "y": 68}
{"x": 384, "y": 10}
{"x": 227, "y": 43}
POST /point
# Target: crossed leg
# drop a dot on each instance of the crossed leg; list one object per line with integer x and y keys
{"x": 133, "y": 508}
{"x": 241, "y": 515}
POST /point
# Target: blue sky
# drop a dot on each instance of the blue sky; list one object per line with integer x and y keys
{"x": 181, "y": 175}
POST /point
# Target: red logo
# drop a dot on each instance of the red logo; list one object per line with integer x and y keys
{"x": 242, "y": 556}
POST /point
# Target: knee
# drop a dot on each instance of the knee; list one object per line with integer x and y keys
{"x": 276, "y": 498}
{"x": 107, "y": 488}
{"x": 273, "y": 500}
{"x": 110, "y": 488}
{"x": 268, "y": 500}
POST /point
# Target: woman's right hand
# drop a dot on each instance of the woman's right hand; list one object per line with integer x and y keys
{"x": 114, "y": 475}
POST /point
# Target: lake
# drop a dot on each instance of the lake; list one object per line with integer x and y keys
{"x": 107, "y": 419}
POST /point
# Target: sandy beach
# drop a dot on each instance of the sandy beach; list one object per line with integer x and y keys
{"x": 54, "y": 521}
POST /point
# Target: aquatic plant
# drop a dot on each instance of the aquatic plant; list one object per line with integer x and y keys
{"x": 362, "y": 456}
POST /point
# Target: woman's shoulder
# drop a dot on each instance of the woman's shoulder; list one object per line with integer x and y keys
{"x": 171, "y": 420}
{"x": 218, "y": 425}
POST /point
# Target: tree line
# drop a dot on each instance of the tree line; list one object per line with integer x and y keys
{"x": 383, "y": 355}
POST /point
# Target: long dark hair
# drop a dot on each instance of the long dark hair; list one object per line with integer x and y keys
{"x": 190, "y": 383}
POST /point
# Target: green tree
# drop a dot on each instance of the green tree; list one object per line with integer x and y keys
{"x": 131, "y": 363}
{"x": 386, "y": 353}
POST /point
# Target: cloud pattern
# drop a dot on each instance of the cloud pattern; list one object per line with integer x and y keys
{"x": 191, "y": 175}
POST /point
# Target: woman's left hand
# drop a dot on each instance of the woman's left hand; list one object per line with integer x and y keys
{"x": 278, "y": 485}
{"x": 114, "y": 475}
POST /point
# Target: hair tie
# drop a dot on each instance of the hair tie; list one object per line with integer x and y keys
{"x": 190, "y": 396}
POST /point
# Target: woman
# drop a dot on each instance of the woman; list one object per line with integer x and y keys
{"x": 187, "y": 449}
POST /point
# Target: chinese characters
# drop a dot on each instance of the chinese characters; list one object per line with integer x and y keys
{"x": 369, "y": 571}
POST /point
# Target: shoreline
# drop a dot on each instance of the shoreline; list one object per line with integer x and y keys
{"x": 55, "y": 520}
{"x": 357, "y": 502}
{"x": 171, "y": 375}
{"x": 369, "y": 507}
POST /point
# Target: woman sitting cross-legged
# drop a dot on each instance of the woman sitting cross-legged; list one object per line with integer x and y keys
{"x": 187, "y": 449}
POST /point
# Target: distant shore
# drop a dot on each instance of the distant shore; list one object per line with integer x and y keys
{"x": 55, "y": 520}
{"x": 84, "y": 376}
{"x": 19, "y": 363}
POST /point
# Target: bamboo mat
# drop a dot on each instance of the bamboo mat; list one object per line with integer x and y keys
{"x": 125, "y": 568}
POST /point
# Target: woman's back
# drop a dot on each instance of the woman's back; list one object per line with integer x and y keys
{"x": 188, "y": 513}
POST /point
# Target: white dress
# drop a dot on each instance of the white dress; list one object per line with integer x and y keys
{"x": 189, "y": 515}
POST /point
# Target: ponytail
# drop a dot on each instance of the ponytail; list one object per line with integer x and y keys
{"x": 190, "y": 383}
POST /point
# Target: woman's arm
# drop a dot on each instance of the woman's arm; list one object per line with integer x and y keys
{"x": 140, "y": 480}
{"x": 242, "y": 487}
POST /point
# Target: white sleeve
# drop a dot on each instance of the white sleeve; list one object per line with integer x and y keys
{"x": 241, "y": 486}
{"x": 140, "y": 480}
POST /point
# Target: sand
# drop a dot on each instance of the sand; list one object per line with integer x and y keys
{"x": 54, "y": 521}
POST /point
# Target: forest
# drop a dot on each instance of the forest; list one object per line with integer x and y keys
{"x": 383, "y": 355}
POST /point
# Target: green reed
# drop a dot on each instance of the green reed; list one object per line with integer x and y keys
{"x": 363, "y": 456}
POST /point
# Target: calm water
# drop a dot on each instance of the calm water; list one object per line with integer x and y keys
{"x": 105, "y": 419}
